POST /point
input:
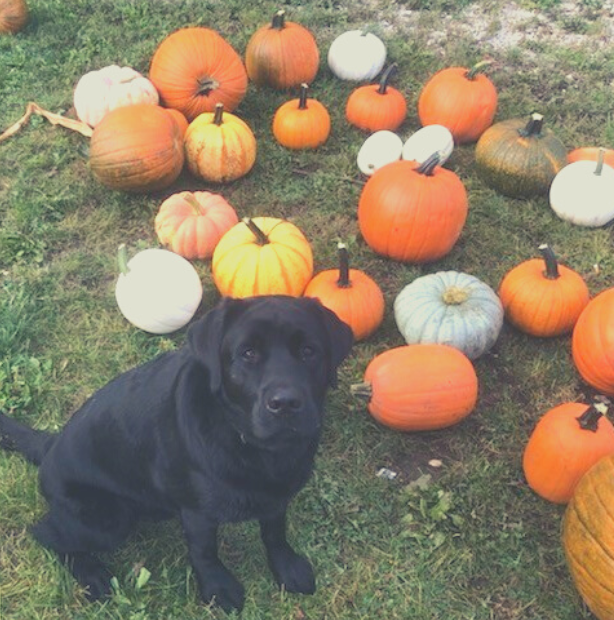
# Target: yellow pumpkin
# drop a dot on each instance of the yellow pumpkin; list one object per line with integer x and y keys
{"x": 262, "y": 256}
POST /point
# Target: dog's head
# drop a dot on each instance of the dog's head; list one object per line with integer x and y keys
{"x": 271, "y": 359}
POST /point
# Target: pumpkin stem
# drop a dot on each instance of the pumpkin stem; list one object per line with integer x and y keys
{"x": 428, "y": 166}
{"x": 552, "y": 266}
{"x": 589, "y": 420}
{"x": 302, "y": 98}
{"x": 191, "y": 200}
{"x": 477, "y": 68}
{"x": 600, "y": 160}
{"x": 534, "y": 126}
{"x": 218, "y": 115}
{"x": 362, "y": 390}
{"x": 122, "y": 259}
{"x": 279, "y": 20}
{"x": 454, "y": 296}
{"x": 344, "y": 267}
{"x": 261, "y": 238}
{"x": 383, "y": 83}
{"x": 206, "y": 85}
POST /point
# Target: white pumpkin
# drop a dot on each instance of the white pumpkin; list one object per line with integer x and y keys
{"x": 450, "y": 307}
{"x": 103, "y": 90}
{"x": 427, "y": 141}
{"x": 356, "y": 55}
{"x": 378, "y": 149}
{"x": 157, "y": 290}
{"x": 583, "y": 193}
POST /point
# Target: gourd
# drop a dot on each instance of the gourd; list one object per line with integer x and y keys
{"x": 137, "y": 148}
{"x": 301, "y": 123}
{"x": 100, "y": 91}
{"x": 428, "y": 141}
{"x": 356, "y": 55}
{"x": 262, "y": 256}
{"x": 412, "y": 212}
{"x": 419, "y": 387}
{"x": 282, "y": 55}
{"x": 351, "y": 294}
{"x": 566, "y": 442}
{"x": 542, "y": 297}
{"x": 192, "y": 223}
{"x": 14, "y": 15}
{"x": 520, "y": 159}
{"x": 583, "y": 193}
{"x": 463, "y": 100}
{"x": 379, "y": 149}
{"x": 587, "y": 538}
{"x": 219, "y": 146}
{"x": 592, "y": 342}
{"x": 377, "y": 106}
{"x": 450, "y": 307}
{"x": 590, "y": 153}
{"x": 194, "y": 69}
{"x": 157, "y": 291}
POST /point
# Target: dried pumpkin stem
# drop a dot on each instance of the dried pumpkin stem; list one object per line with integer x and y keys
{"x": 279, "y": 20}
{"x": 477, "y": 68}
{"x": 122, "y": 259}
{"x": 344, "y": 267}
{"x": 302, "y": 98}
{"x": 206, "y": 85}
{"x": 362, "y": 390}
{"x": 589, "y": 420}
{"x": 383, "y": 83}
{"x": 600, "y": 160}
{"x": 552, "y": 266}
{"x": 454, "y": 296}
{"x": 534, "y": 126}
{"x": 261, "y": 238}
{"x": 428, "y": 166}
{"x": 218, "y": 115}
{"x": 191, "y": 200}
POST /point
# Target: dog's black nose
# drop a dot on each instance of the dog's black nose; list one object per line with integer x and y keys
{"x": 284, "y": 400}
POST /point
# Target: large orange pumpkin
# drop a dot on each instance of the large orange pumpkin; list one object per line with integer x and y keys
{"x": 419, "y": 387}
{"x": 196, "y": 68}
{"x": 262, "y": 256}
{"x": 592, "y": 343}
{"x": 137, "y": 148}
{"x": 412, "y": 212}
{"x": 282, "y": 54}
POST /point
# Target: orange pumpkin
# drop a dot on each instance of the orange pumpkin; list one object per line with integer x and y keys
{"x": 592, "y": 342}
{"x": 192, "y": 223}
{"x": 542, "y": 297}
{"x": 282, "y": 54}
{"x": 262, "y": 256}
{"x": 377, "y": 106}
{"x": 463, "y": 100}
{"x": 196, "y": 68}
{"x": 179, "y": 118}
{"x": 419, "y": 387}
{"x": 590, "y": 153}
{"x": 566, "y": 442}
{"x": 14, "y": 15}
{"x": 137, "y": 148}
{"x": 351, "y": 294}
{"x": 301, "y": 123}
{"x": 412, "y": 212}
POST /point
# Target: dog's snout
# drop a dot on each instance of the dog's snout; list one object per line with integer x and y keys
{"x": 283, "y": 400}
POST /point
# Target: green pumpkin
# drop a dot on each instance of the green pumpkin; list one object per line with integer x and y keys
{"x": 520, "y": 159}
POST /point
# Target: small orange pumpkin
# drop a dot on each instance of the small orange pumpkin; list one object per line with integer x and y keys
{"x": 14, "y": 15}
{"x": 419, "y": 387}
{"x": 543, "y": 298}
{"x": 566, "y": 442}
{"x": 301, "y": 123}
{"x": 377, "y": 106}
{"x": 192, "y": 223}
{"x": 351, "y": 294}
{"x": 590, "y": 153}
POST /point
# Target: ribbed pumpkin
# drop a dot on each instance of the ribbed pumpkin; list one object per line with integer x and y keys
{"x": 179, "y": 118}
{"x": 282, "y": 54}
{"x": 520, "y": 159}
{"x": 137, "y": 148}
{"x": 351, "y": 294}
{"x": 565, "y": 443}
{"x": 262, "y": 256}
{"x": 592, "y": 342}
{"x": 377, "y": 106}
{"x": 590, "y": 153}
{"x": 412, "y": 212}
{"x": 219, "y": 146}
{"x": 542, "y": 297}
{"x": 192, "y": 223}
{"x": 14, "y": 15}
{"x": 419, "y": 387}
{"x": 588, "y": 538}
{"x": 450, "y": 307}
{"x": 356, "y": 55}
{"x": 463, "y": 100}
{"x": 194, "y": 69}
{"x": 301, "y": 123}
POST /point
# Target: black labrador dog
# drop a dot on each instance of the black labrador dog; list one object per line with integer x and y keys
{"x": 224, "y": 429}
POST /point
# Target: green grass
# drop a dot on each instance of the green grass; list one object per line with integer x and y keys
{"x": 467, "y": 540}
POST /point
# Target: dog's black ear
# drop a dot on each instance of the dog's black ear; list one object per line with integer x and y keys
{"x": 205, "y": 338}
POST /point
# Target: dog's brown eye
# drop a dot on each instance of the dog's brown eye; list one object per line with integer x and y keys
{"x": 307, "y": 352}
{"x": 250, "y": 354}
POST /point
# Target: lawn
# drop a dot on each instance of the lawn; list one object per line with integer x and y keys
{"x": 457, "y": 534}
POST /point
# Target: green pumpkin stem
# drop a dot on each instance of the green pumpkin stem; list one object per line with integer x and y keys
{"x": 477, "y": 68}
{"x": 362, "y": 390}
{"x": 428, "y": 166}
{"x": 122, "y": 259}
{"x": 600, "y": 160}
{"x": 261, "y": 238}
{"x": 344, "y": 267}
{"x": 279, "y": 20}
{"x": 552, "y": 266}
{"x": 534, "y": 126}
{"x": 383, "y": 83}
{"x": 302, "y": 98}
{"x": 589, "y": 420}
{"x": 218, "y": 115}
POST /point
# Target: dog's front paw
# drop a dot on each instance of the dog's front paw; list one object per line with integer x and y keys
{"x": 292, "y": 571}
{"x": 220, "y": 587}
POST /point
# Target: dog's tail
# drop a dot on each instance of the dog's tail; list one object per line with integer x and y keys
{"x": 18, "y": 437}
